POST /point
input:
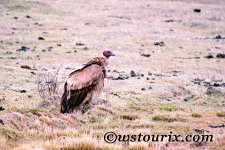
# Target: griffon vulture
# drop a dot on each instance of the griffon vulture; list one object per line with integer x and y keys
{"x": 84, "y": 85}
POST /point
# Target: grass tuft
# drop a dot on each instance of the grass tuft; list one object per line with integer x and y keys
{"x": 168, "y": 107}
{"x": 196, "y": 115}
{"x": 167, "y": 118}
{"x": 220, "y": 114}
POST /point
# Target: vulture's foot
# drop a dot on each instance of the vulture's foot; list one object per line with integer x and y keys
{"x": 86, "y": 106}
{"x": 101, "y": 102}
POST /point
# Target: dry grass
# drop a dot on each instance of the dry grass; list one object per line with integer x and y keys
{"x": 163, "y": 99}
{"x": 196, "y": 115}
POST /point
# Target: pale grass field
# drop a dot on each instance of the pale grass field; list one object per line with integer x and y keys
{"x": 130, "y": 28}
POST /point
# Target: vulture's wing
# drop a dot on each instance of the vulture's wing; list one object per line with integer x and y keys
{"x": 82, "y": 83}
{"x": 85, "y": 77}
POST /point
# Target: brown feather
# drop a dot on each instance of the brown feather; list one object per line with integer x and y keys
{"x": 83, "y": 85}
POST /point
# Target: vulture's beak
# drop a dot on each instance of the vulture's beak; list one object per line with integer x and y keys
{"x": 113, "y": 54}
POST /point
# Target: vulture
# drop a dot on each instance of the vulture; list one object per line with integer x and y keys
{"x": 84, "y": 85}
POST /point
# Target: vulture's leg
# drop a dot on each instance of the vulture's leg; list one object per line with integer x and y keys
{"x": 95, "y": 98}
{"x": 97, "y": 90}
{"x": 85, "y": 107}
{"x": 86, "y": 103}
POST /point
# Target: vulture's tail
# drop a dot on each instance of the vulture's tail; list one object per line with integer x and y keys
{"x": 64, "y": 101}
{"x": 76, "y": 98}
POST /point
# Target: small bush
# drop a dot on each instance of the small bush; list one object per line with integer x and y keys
{"x": 48, "y": 86}
{"x": 128, "y": 116}
{"x": 162, "y": 117}
{"x": 168, "y": 107}
{"x": 221, "y": 114}
{"x": 35, "y": 112}
{"x": 196, "y": 115}
{"x": 168, "y": 118}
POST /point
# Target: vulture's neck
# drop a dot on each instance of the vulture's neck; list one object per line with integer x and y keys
{"x": 106, "y": 60}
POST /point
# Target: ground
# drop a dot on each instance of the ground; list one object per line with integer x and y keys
{"x": 168, "y": 75}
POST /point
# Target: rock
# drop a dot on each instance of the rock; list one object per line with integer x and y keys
{"x": 207, "y": 83}
{"x": 2, "y": 108}
{"x": 115, "y": 94}
{"x": 217, "y": 126}
{"x": 22, "y": 91}
{"x": 15, "y": 17}
{"x": 146, "y": 55}
{"x": 33, "y": 73}
{"x": 159, "y": 43}
{"x": 171, "y": 20}
{"x": 218, "y": 37}
{"x": 29, "y": 96}
{"x": 132, "y": 73}
{"x": 188, "y": 98}
{"x": 197, "y": 10}
{"x": 150, "y": 74}
{"x": 223, "y": 84}
{"x": 49, "y": 48}
{"x": 2, "y": 98}
{"x": 41, "y": 38}
{"x": 1, "y": 121}
{"x": 64, "y": 29}
{"x": 54, "y": 98}
{"x": 102, "y": 102}
{"x": 13, "y": 57}
{"x": 80, "y": 44}
{"x": 59, "y": 45}
{"x": 168, "y": 99}
{"x": 121, "y": 77}
{"x": 70, "y": 68}
{"x": 216, "y": 84}
{"x": 8, "y": 53}
{"x": 25, "y": 67}
{"x": 220, "y": 55}
{"x": 23, "y": 48}
{"x": 209, "y": 56}
{"x": 85, "y": 48}
{"x": 143, "y": 89}
{"x": 196, "y": 57}
{"x": 217, "y": 47}
{"x": 27, "y": 16}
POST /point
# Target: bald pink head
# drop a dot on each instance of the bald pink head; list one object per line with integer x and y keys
{"x": 108, "y": 53}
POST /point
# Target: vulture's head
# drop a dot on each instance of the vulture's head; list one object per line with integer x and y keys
{"x": 108, "y": 53}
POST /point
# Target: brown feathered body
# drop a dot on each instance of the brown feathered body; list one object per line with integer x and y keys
{"x": 84, "y": 85}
